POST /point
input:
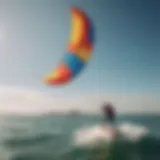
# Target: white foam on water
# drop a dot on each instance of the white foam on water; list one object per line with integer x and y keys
{"x": 91, "y": 135}
{"x": 133, "y": 132}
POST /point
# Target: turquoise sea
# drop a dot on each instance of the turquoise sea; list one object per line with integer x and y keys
{"x": 64, "y": 137}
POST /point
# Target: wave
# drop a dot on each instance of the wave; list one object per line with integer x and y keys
{"x": 91, "y": 135}
{"x": 27, "y": 141}
{"x": 134, "y": 143}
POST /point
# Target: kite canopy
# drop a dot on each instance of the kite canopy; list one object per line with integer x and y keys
{"x": 79, "y": 49}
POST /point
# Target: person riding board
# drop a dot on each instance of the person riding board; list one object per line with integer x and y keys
{"x": 108, "y": 123}
{"x": 109, "y": 114}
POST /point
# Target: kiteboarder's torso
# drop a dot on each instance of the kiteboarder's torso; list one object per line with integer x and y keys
{"x": 108, "y": 112}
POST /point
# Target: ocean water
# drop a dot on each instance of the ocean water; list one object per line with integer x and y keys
{"x": 61, "y": 137}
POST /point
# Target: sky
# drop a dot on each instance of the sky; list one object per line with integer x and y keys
{"x": 125, "y": 62}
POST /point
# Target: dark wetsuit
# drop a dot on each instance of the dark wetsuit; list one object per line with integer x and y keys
{"x": 109, "y": 113}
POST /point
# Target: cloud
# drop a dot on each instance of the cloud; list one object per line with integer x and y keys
{"x": 28, "y": 101}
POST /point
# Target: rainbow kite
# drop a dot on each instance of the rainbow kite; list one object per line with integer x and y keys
{"x": 79, "y": 49}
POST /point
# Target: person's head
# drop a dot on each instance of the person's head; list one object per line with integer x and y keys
{"x": 107, "y": 107}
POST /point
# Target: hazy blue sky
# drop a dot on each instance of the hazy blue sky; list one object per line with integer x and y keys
{"x": 126, "y": 59}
